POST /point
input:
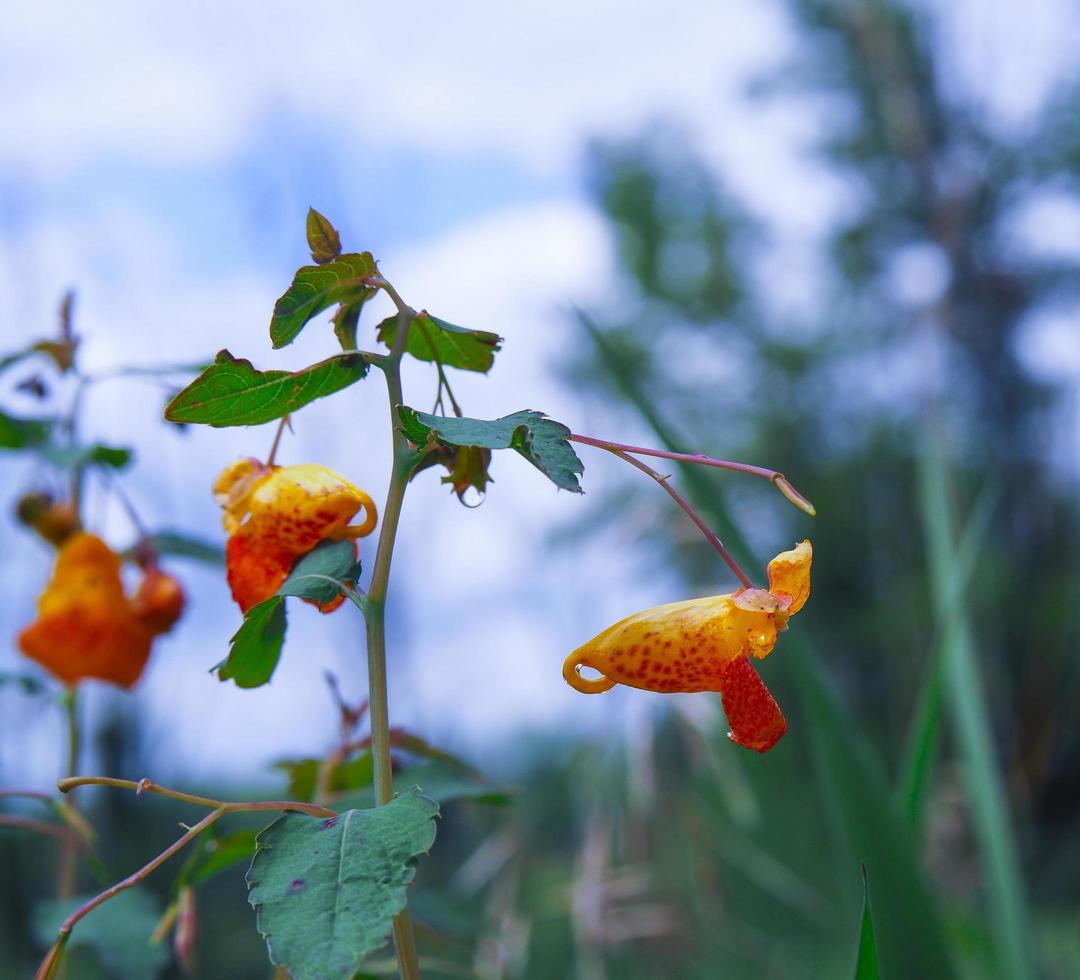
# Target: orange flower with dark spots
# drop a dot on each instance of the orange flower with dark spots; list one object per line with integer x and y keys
{"x": 275, "y": 514}
{"x": 86, "y": 625}
{"x": 705, "y": 645}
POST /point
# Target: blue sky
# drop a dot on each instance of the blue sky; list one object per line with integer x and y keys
{"x": 160, "y": 160}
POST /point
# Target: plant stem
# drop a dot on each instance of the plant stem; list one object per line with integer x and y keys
{"x": 781, "y": 482}
{"x": 277, "y": 440}
{"x": 375, "y": 611}
{"x": 146, "y": 786}
{"x": 710, "y": 535}
{"x": 69, "y": 858}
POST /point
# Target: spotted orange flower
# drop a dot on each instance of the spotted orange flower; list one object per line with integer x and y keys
{"x": 275, "y": 514}
{"x": 87, "y": 626}
{"x": 705, "y": 645}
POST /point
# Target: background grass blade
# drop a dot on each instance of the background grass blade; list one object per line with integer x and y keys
{"x": 866, "y": 960}
{"x": 925, "y": 728}
{"x": 966, "y": 697}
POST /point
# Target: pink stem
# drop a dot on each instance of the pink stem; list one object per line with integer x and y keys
{"x": 773, "y": 476}
{"x": 710, "y": 535}
{"x": 701, "y": 458}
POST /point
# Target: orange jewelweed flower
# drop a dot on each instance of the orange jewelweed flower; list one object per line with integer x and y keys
{"x": 88, "y": 627}
{"x": 705, "y": 645}
{"x": 275, "y": 514}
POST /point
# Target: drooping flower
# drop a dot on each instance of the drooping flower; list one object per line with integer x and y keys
{"x": 87, "y": 626}
{"x": 275, "y": 514}
{"x": 705, "y": 645}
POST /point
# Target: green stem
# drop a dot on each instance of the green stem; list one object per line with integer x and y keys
{"x": 375, "y": 613}
{"x": 68, "y": 874}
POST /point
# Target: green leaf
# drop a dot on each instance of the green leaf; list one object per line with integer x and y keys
{"x": 542, "y": 441}
{"x": 75, "y": 457}
{"x": 322, "y": 237}
{"x": 9, "y": 360}
{"x": 346, "y": 320}
{"x": 232, "y": 392}
{"x": 326, "y": 571}
{"x": 222, "y": 853}
{"x": 432, "y": 339}
{"x": 443, "y": 783}
{"x": 325, "y": 891}
{"x": 174, "y": 544}
{"x": 318, "y": 287}
{"x": 19, "y": 433}
{"x": 28, "y": 682}
{"x": 304, "y": 776}
{"x": 866, "y": 961}
{"x": 118, "y": 931}
{"x": 321, "y": 575}
{"x": 256, "y": 647}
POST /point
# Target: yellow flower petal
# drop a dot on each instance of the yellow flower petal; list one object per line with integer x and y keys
{"x": 789, "y": 575}
{"x": 276, "y": 515}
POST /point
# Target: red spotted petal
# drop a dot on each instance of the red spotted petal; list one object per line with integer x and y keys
{"x": 753, "y": 714}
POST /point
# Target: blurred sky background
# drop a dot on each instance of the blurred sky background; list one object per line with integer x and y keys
{"x": 160, "y": 161}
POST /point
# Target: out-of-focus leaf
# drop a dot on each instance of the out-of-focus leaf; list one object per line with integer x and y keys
{"x": 232, "y": 392}
{"x": 542, "y": 441}
{"x": 18, "y": 433}
{"x": 72, "y": 457}
{"x": 222, "y": 853}
{"x": 432, "y": 339}
{"x": 866, "y": 960}
{"x": 442, "y": 782}
{"x": 303, "y": 776}
{"x": 118, "y": 931}
{"x": 323, "y": 238}
{"x": 61, "y": 352}
{"x": 255, "y": 648}
{"x": 318, "y": 287}
{"x": 28, "y": 683}
{"x": 406, "y": 741}
{"x": 9, "y": 360}
{"x": 177, "y": 545}
{"x": 325, "y": 891}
